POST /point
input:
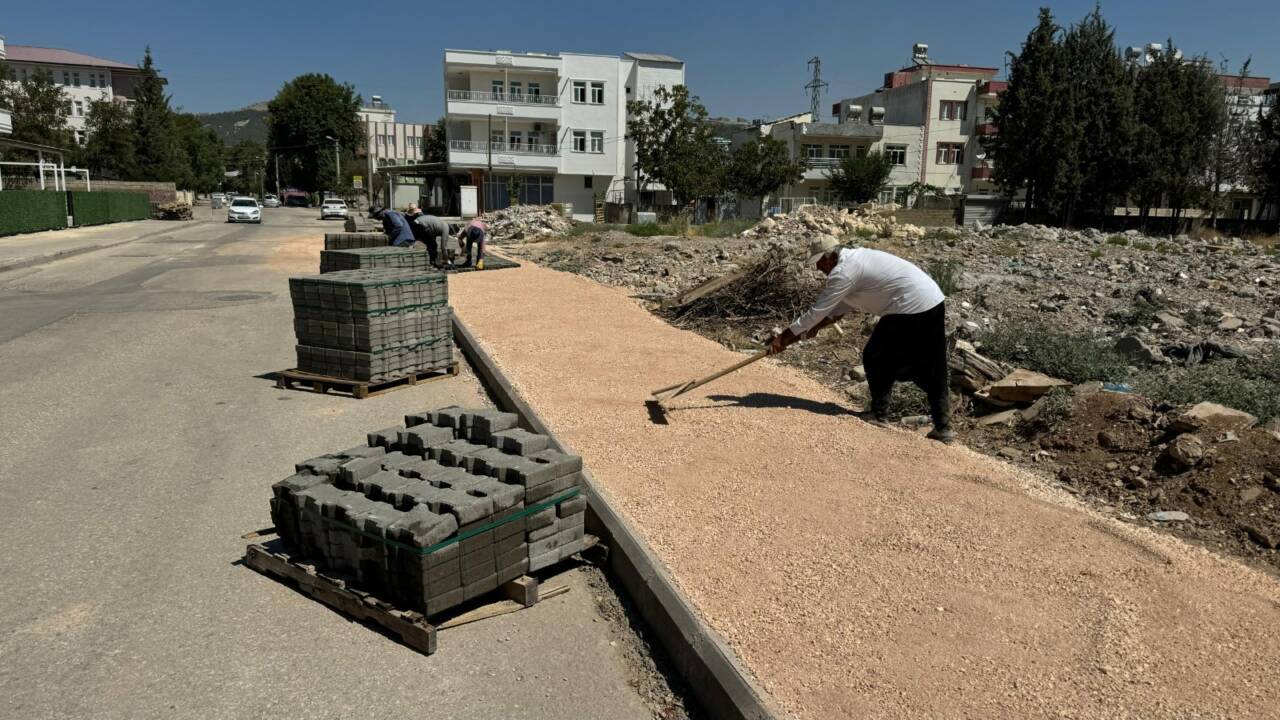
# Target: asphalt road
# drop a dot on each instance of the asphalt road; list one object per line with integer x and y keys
{"x": 138, "y": 439}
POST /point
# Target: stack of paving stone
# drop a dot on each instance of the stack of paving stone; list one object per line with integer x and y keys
{"x": 351, "y": 240}
{"x": 437, "y": 511}
{"x": 374, "y": 258}
{"x": 372, "y": 325}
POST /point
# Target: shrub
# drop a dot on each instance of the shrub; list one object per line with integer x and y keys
{"x": 946, "y": 273}
{"x": 1006, "y": 248}
{"x": 866, "y": 232}
{"x": 23, "y": 211}
{"x": 1140, "y": 314}
{"x": 724, "y": 228}
{"x": 1142, "y": 245}
{"x": 1074, "y": 357}
{"x": 1250, "y": 384}
{"x": 1055, "y": 409}
{"x": 1121, "y": 240}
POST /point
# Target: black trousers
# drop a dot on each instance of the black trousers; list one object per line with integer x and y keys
{"x": 428, "y": 238}
{"x": 910, "y": 348}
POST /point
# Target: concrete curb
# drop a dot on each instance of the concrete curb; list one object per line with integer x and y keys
{"x": 719, "y": 683}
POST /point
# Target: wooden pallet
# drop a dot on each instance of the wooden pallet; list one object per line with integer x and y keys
{"x": 359, "y": 389}
{"x": 409, "y": 626}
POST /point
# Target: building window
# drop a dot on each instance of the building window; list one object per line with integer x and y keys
{"x": 93, "y": 80}
{"x": 517, "y": 137}
{"x": 517, "y": 90}
{"x": 79, "y": 137}
{"x": 66, "y": 78}
{"x": 579, "y": 91}
{"x": 102, "y": 79}
{"x": 897, "y": 154}
{"x": 811, "y": 151}
{"x": 950, "y": 153}
{"x": 24, "y": 74}
{"x": 597, "y": 141}
{"x": 75, "y": 79}
{"x": 579, "y": 140}
{"x": 838, "y": 151}
{"x": 497, "y": 88}
{"x": 952, "y": 109}
{"x": 535, "y": 90}
{"x": 587, "y": 181}
{"x": 79, "y": 109}
{"x": 597, "y": 93}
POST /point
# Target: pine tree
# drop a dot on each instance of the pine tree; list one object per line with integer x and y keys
{"x": 109, "y": 148}
{"x": 200, "y": 154}
{"x": 1025, "y": 148}
{"x": 157, "y": 151}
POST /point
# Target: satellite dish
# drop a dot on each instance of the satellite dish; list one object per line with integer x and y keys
{"x": 981, "y": 156}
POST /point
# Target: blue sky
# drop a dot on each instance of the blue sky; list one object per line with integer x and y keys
{"x": 744, "y": 59}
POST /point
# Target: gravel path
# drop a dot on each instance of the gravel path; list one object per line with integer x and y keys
{"x": 863, "y": 572}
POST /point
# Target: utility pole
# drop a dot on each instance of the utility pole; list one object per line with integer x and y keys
{"x": 278, "y": 177}
{"x": 337, "y": 165}
{"x": 815, "y": 87}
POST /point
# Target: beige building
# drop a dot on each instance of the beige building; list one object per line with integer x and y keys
{"x": 388, "y": 142}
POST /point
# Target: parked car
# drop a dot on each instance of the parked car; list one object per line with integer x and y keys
{"x": 333, "y": 208}
{"x": 244, "y": 209}
{"x": 271, "y": 201}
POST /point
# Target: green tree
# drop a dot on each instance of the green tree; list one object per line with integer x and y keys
{"x": 200, "y": 154}
{"x": 1025, "y": 148}
{"x": 249, "y": 158}
{"x": 1229, "y": 153}
{"x": 1263, "y": 168}
{"x": 40, "y": 110}
{"x": 436, "y": 144}
{"x": 860, "y": 178}
{"x": 1179, "y": 111}
{"x": 157, "y": 148}
{"x": 307, "y": 111}
{"x": 758, "y": 168}
{"x": 675, "y": 145}
{"x": 109, "y": 150}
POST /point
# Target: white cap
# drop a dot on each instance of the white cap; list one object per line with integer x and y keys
{"x": 820, "y": 246}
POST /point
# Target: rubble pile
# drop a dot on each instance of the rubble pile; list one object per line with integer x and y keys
{"x": 809, "y": 221}
{"x": 437, "y": 511}
{"x": 523, "y": 222}
{"x": 172, "y": 211}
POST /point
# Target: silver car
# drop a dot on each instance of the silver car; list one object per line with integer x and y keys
{"x": 244, "y": 209}
{"x": 333, "y": 208}
{"x": 271, "y": 201}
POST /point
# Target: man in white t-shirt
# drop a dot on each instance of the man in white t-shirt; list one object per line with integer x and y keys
{"x": 909, "y": 341}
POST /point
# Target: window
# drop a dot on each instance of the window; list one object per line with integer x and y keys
{"x": 838, "y": 151}
{"x": 897, "y": 154}
{"x": 496, "y": 139}
{"x": 517, "y": 89}
{"x": 517, "y": 137}
{"x": 79, "y": 109}
{"x": 586, "y": 181}
{"x": 597, "y": 141}
{"x": 534, "y": 138}
{"x": 79, "y": 137}
{"x": 579, "y": 91}
{"x": 579, "y": 140}
{"x": 93, "y": 80}
{"x": 75, "y": 79}
{"x": 498, "y": 88}
{"x": 102, "y": 79}
{"x": 24, "y": 74}
{"x": 535, "y": 90}
{"x": 811, "y": 151}
{"x": 597, "y": 93}
{"x": 66, "y": 78}
{"x": 950, "y": 153}
{"x": 952, "y": 109}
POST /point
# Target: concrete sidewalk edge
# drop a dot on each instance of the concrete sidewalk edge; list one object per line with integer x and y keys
{"x": 704, "y": 660}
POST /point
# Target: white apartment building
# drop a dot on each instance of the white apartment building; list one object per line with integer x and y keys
{"x": 933, "y": 119}
{"x": 82, "y": 78}
{"x": 388, "y": 142}
{"x": 550, "y": 127}
{"x": 6, "y": 117}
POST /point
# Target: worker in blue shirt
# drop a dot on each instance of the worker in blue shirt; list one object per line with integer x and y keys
{"x": 394, "y": 225}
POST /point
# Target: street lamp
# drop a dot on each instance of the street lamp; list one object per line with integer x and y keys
{"x": 337, "y": 160}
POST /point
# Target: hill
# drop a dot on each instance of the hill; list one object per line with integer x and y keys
{"x": 232, "y": 126}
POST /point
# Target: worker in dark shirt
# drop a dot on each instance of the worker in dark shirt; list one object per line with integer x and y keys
{"x": 394, "y": 225}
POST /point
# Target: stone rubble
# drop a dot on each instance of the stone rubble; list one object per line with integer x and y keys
{"x": 523, "y": 222}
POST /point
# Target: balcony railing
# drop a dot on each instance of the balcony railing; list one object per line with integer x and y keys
{"x": 504, "y": 148}
{"x": 504, "y": 98}
{"x": 981, "y": 173}
{"x": 821, "y": 163}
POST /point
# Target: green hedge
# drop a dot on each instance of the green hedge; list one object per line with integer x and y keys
{"x": 98, "y": 208}
{"x": 23, "y": 211}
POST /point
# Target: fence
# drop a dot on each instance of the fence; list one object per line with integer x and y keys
{"x": 24, "y": 211}
{"x": 100, "y": 208}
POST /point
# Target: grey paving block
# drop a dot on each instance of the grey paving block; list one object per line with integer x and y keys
{"x": 572, "y": 547}
{"x": 323, "y": 465}
{"x": 512, "y": 556}
{"x": 421, "y": 528}
{"x": 540, "y": 519}
{"x": 507, "y": 543}
{"x": 520, "y": 471}
{"x": 478, "y": 570}
{"x": 444, "y": 602}
{"x": 480, "y": 587}
{"x": 363, "y": 451}
{"x": 544, "y": 545}
{"x": 544, "y": 559}
{"x": 450, "y": 417}
{"x": 519, "y": 441}
{"x": 562, "y": 462}
{"x": 504, "y": 496}
{"x": 478, "y": 542}
{"x": 453, "y": 452}
{"x": 357, "y": 469}
{"x": 511, "y": 572}
{"x": 465, "y": 508}
{"x": 312, "y": 539}
{"x": 539, "y": 493}
{"x": 571, "y": 506}
{"x": 397, "y": 459}
{"x": 567, "y": 482}
{"x": 419, "y": 438}
{"x": 418, "y": 418}
{"x": 578, "y": 520}
{"x": 511, "y": 523}
{"x": 543, "y": 532}
{"x": 388, "y": 438}
{"x": 482, "y": 424}
{"x": 382, "y": 484}
{"x": 431, "y": 471}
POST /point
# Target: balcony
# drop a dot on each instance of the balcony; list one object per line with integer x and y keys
{"x": 992, "y": 87}
{"x": 478, "y": 153}
{"x": 981, "y": 173}
{"x": 504, "y": 98}
{"x": 986, "y": 129}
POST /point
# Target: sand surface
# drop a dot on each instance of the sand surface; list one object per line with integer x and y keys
{"x": 864, "y": 572}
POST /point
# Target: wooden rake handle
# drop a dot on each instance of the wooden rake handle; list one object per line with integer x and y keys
{"x": 684, "y": 387}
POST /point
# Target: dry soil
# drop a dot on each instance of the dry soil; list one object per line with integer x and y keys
{"x": 867, "y": 572}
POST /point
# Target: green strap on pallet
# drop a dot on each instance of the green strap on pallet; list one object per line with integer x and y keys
{"x": 470, "y": 533}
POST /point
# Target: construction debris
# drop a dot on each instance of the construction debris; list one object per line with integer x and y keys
{"x": 522, "y": 222}
{"x": 865, "y": 221}
{"x": 172, "y": 211}
{"x": 438, "y": 511}
{"x": 774, "y": 287}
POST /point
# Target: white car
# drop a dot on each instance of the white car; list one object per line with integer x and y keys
{"x": 244, "y": 209}
{"x": 333, "y": 209}
{"x": 271, "y": 201}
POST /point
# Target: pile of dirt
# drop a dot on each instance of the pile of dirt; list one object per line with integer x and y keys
{"x": 864, "y": 221}
{"x": 522, "y": 222}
